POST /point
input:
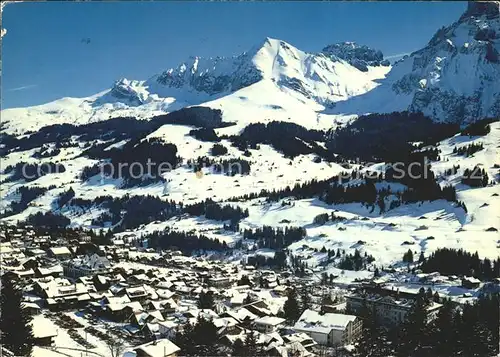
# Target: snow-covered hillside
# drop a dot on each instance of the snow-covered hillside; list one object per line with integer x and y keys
{"x": 296, "y": 98}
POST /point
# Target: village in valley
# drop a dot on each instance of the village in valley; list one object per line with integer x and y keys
{"x": 122, "y": 299}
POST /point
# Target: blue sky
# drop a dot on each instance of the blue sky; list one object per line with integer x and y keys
{"x": 44, "y": 57}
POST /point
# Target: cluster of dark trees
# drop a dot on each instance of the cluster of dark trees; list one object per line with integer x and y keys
{"x": 218, "y": 150}
{"x": 202, "y": 339}
{"x": 448, "y": 261}
{"x": 298, "y": 300}
{"x": 452, "y": 171}
{"x": 45, "y": 152}
{"x": 409, "y": 257}
{"x": 468, "y": 150}
{"x": 199, "y": 339}
{"x": 479, "y": 128}
{"x": 132, "y": 211}
{"x": 421, "y": 186}
{"x": 477, "y": 177}
{"x": 228, "y": 167}
{"x": 184, "y": 241}
{"x": 325, "y": 217}
{"x": 65, "y": 197}
{"x": 469, "y": 331}
{"x": 106, "y": 218}
{"x": 16, "y": 331}
{"x": 288, "y": 138}
{"x": 204, "y": 134}
{"x": 112, "y": 130}
{"x": 138, "y": 163}
{"x": 355, "y": 261}
{"x": 30, "y": 172}
{"x": 415, "y": 172}
{"x": 213, "y": 210}
{"x": 48, "y": 219}
{"x": 275, "y": 238}
{"x": 278, "y": 261}
{"x": 27, "y": 194}
{"x": 387, "y": 137}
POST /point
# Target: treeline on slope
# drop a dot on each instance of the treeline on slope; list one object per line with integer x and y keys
{"x": 184, "y": 241}
{"x": 27, "y": 194}
{"x": 45, "y": 152}
{"x": 31, "y": 172}
{"x": 132, "y": 162}
{"x": 449, "y": 261}
{"x": 274, "y": 238}
{"x": 204, "y": 134}
{"x": 48, "y": 220}
{"x": 355, "y": 261}
{"x": 387, "y": 137}
{"x": 476, "y": 177}
{"x": 129, "y": 212}
{"x": 213, "y": 210}
{"x": 338, "y": 190}
{"x": 65, "y": 197}
{"x": 289, "y": 138}
{"x": 113, "y": 130}
{"x": 229, "y": 167}
{"x": 468, "y": 150}
{"x": 479, "y": 128}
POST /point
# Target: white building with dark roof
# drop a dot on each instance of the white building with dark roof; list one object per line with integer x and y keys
{"x": 329, "y": 329}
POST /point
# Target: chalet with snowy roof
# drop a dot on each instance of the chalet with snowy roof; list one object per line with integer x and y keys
{"x": 470, "y": 282}
{"x": 329, "y": 329}
{"x": 60, "y": 253}
{"x": 53, "y": 271}
{"x": 158, "y": 348}
{"x": 43, "y": 331}
{"x": 60, "y": 293}
{"x": 220, "y": 281}
{"x": 268, "y": 324}
{"x": 86, "y": 265}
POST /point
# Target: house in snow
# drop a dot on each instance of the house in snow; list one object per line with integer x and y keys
{"x": 329, "y": 329}
{"x": 268, "y": 324}
{"x": 469, "y": 282}
{"x": 87, "y": 265}
{"x": 60, "y": 253}
{"x": 158, "y": 348}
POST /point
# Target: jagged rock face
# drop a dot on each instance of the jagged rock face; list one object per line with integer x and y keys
{"x": 213, "y": 76}
{"x": 124, "y": 90}
{"x": 455, "y": 77}
{"x": 356, "y": 55}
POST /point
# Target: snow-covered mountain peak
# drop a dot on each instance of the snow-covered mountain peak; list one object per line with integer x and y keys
{"x": 454, "y": 78}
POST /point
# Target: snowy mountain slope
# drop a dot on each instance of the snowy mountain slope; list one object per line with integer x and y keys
{"x": 385, "y": 236}
{"x": 453, "y": 79}
{"x": 276, "y": 82}
{"x": 309, "y": 81}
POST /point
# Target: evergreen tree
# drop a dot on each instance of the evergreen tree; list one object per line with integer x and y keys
{"x": 239, "y": 349}
{"x": 305, "y": 299}
{"x": 291, "y": 307}
{"x": 413, "y": 333}
{"x": 15, "y": 322}
{"x": 250, "y": 343}
{"x": 206, "y": 300}
{"x": 244, "y": 281}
